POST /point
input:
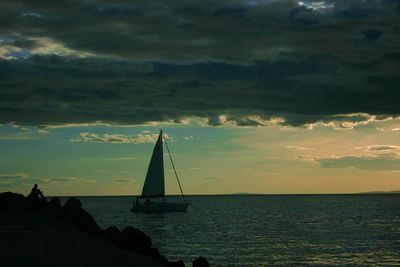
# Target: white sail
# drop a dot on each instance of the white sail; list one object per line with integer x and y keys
{"x": 154, "y": 183}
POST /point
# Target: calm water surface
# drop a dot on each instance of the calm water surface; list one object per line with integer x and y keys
{"x": 268, "y": 230}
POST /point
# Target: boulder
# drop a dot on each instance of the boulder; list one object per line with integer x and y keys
{"x": 54, "y": 206}
{"x": 54, "y": 203}
{"x": 35, "y": 205}
{"x": 112, "y": 235}
{"x": 176, "y": 264}
{"x": 134, "y": 240}
{"x": 82, "y": 220}
{"x": 11, "y": 201}
{"x": 73, "y": 214}
{"x": 73, "y": 204}
{"x": 200, "y": 262}
{"x": 153, "y": 252}
{"x": 163, "y": 260}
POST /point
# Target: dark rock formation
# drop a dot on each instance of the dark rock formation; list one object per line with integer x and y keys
{"x": 11, "y": 201}
{"x": 73, "y": 204}
{"x": 112, "y": 235}
{"x": 200, "y": 262}
{"x": 130, "y": 239}
{"x": 73, "y": 214}
{"x": 84, "y": 221}
{"x": 134, "y": 239}
{"x": 54, "y": 203}
{"x": 16, "y": 202}
{"x": 54, "y": 206}
{"x": 176, "y": 264}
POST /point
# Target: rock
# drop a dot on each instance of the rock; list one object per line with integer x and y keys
{"x": 176, "y": 264}
{"x": 73, "y": 204}
{"x": 11, "y": 201}
{"x": 85, "y": 222}
{"x": 163, "y": 260}
{"x": 73, "y": 214}
{"x": 112, "y": 235}
{"x": 134, "y": 240}
{"x": 16, "y": 202}
{"x": 35, "y": 205}
{"x": 54, "y": 206}
{"x": 82, "y": 220}
{"x": 154, "y": 253}
{"x": 200, "y": 262}
{"x": 54, "y": 203}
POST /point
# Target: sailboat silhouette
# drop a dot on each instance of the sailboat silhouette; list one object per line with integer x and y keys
{"x": 153, "y": 198}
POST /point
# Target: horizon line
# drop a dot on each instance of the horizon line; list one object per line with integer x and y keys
{"x": 394, "y": 192}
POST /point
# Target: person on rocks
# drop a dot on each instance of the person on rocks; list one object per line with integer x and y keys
{"x": 36, "y": 193}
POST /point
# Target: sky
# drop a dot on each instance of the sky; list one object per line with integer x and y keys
{"x": 258, "y": 96}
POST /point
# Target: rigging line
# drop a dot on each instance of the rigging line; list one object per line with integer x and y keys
{"x": 173, "y": 166}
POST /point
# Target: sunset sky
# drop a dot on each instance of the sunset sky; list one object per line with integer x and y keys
{"x": 258, "y": 96}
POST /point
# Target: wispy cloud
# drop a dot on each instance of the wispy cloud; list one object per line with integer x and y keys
{"x": 308, "y": 158}
{"x": 126, "y": 180}
{"x": 379, "y": 148}
{"x": 348, "y": 121}
{"x": 122, "y": 158}
{"x": 71, "y": 179}
{"x": 13, "y": 177}
{"x": 299, "y": 148}
{"x": 117, "y": 138}
{"x": 383, "y": 162}
{"x": 254, "y": 120}
{"x": 320, "y": 6}
{"x": 190, "y": 137}
{"x": 20, "y": 178}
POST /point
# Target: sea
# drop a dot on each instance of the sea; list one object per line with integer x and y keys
{"x": 267, "y": 230}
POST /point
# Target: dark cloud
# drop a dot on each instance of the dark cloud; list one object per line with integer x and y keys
{"x": 298, "y": 10}
{"x": 232, "y": 12}
{"x": 50, "y": 89}
{"x": 133, "y": 62}
{"x": 184, "y": 31}
{"x": 372, "y": 35}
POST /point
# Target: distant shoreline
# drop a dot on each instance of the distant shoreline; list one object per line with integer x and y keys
{"x": 249, "y": 194}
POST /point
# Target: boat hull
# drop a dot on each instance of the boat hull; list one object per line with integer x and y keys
{"x": 160, "y": 207}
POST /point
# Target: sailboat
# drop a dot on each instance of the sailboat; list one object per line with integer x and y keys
{"x": 153, "y": 198}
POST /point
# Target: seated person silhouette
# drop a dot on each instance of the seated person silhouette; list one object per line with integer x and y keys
{"x": 36, "y": 193}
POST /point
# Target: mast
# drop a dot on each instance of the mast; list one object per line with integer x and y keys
{"x": 173, "y": 166}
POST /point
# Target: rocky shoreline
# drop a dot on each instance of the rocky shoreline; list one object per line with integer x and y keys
{"x": 61, "y": 225}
